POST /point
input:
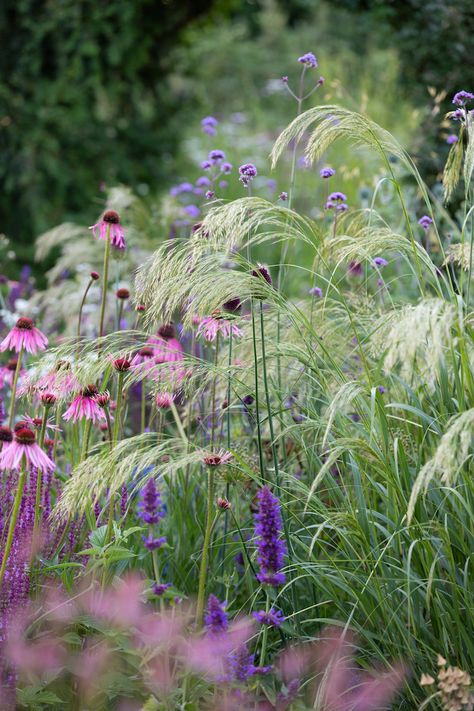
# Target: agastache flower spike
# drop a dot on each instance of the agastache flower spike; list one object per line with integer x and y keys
{"x": 271, "y": 549}
{"x": 216, "y": 619}
{"x": 150, "y": 507}
{"x": 24, "y": 336}
{"x": 110, "y": 219}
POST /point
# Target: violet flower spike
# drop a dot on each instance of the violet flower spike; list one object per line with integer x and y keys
{"x": 271, "y": 550}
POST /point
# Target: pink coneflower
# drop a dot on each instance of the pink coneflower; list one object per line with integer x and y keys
{"x": 215, "y": 459}
{"x": 24, "y": 336}
{"x": 110, "y": 220}
{"x": 6, "y": 436}
{"x": 217, "y": 324}
{"x": 24, "y": 445}
{"x": 59, "y": 382}
{"x": 121, "y": 365}
{"x": 7, "y": 373}
{"x": 35, "y": 423}
{"x": 144, "y": 361}
{"x": 164, "y": 400}
{"x": 85, "y": 405}
{"x": 166, "y": 347}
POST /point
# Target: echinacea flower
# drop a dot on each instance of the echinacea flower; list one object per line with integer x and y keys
{"x": 272, "y": 618}
{"x": 110, "y": 221}
{"x": 23, "y": 446}
{"x": 217, "y": 324}
{"x": 215, "y": 459}
{"x": 271, "y": 550}
{"x": 166, "y": 347}
{"x": 309, "y": 60}
{"x": 425, "y": 222}
{"x": 164, "y": 400}
{"x": 6, "y": 436}
{"x": 24, "y": 336}
{"x": 85, "y": 405}
{"x": 247, "y": 173}
{"x": 216, "y": 618}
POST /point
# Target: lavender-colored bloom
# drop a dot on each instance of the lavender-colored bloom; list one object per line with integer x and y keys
{"x": 203, "y": 181}
{"x": 451, "y": 139}
{"x": 342, "y": 207}
{"x": 159, "y": 589}
{"x": 241, "y": 664}
{"x": 150, "y": 508}
{"x": 271, "y": 549}
{"x": 247, "y": 173}
{"x": 216, "y": 618}
{"x": 309, "y": 60}
{"x": 379, "y": 262}
{"x": 337, "y": 197}
{"x": 273, "y": 618}
{"x": 316, "y": 291}
{"x": 283, "y": 196}
{"x": 206, "y": 164}
{"x": 285, "y": 79}
{"x": 210, "y": 194}
{"x": 216, "y": 155}
{"x": 226, "y": 167}
{"x": 209, "y": 125}
{"x": 462, "y": 97}
{"x": 151, "y": 543}
{"x": 192, "y": 210}
{"x": 327, "y": 172}
{"x": 425, "y": 221}
{"x": 355, "y": 269}
{"x": 123, "y": 500}
{"x": 458, "y": 115}
{"x": 381, "y": 389}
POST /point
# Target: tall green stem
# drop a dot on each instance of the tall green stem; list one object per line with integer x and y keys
{"x": 267, "y": 398}
{"x": 79, "y": 319}
{"x": 14, "y": 387}
{"x": 13, "y": 519}
{"x": 39, "y": 478}
{"x": 257, "y": 404}
{"x": 117, "y": 425}
{"x": 205, "y": 549}
{"x": 210, "y": 504}
{"x": 105, "y": 273}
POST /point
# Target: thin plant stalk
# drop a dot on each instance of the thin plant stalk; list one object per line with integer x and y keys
{"x": 257, "y": 403}
{"x": 210, "y": 506}
{"x": 105, "y": 273}
{"x": 81, "y": 307}
{"x": 13, "y": 519}
{"x": 116, "y": 434}
{"x": 14, "y": 388}
{"x": 39, "y": 478}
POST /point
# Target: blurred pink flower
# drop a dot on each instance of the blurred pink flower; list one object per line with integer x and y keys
{"x": 24, "y": 335}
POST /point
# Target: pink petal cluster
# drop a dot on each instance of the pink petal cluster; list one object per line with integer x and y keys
{"x": 24, "y": 336}
{"x": 85, "y": 405}
{"x": 212, "y": 325}
{"x": 110, "y": 220}
{"x": 24, "y": 446}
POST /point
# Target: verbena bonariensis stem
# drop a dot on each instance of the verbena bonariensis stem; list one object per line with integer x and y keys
{"x": 105, "y": 274}
{"x": 210, "y": 505}
{"x": 257, "y": 402}
{"x": 83, "y": 301}
{"x": 117, "y": 426}
{"x": 13, "y": 519}
{"x": 14, "y": 387}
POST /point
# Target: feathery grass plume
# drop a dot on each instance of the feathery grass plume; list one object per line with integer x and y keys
{"x": 183, "y": 280}
{"x": 253, "y": 220}
{"x": 452, "y": 169}
{"x": 131, "y": 460}
{"x": 343, "y": 398}
{"x": 469, "y": 154}
{"x": 58, "y": 237}
{"x": 451, "y": 454}
{"x": 332, "y": 123}
{"x": 415, "y": 339}
{"x": 459, "y": 254}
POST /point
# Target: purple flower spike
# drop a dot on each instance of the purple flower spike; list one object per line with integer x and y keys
{"x": 151, "y": 543}
{"x": 216, "y": 618}
{"x": 309, "y": 60}
{"x": 271, "y": 549}
{"x": 150, "y": 506}
{"x": 159, "y": 589}
{"x": 425, "y": 221}
{"x": 379, "y": 262}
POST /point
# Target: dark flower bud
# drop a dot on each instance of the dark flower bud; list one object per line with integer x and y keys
{"x": 262, "y": 272}
{"x": 95, "y": 276}
{"x": 90, "y": 391}
{"x": 167, "y": 331}
{"x": 141, "y": 307}
{"x": 122, "y": 294}
{"x": 103, "y": 399}
{"x": 112, "y": 217}
{"x": 232, "y": 306}
{"x": 6, "y": 435}
{"x": 27, "y": 324}
{"x": 25, "y": 436}
{"x": 223, "y": 504}
{"x": 121, "y": 365}
{"x": 48, "y": 399}
{"x": 19, "y": 425}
